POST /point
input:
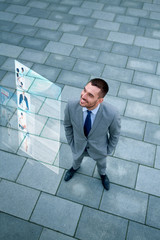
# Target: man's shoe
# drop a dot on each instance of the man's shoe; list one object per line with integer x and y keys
{"x": 69, "y": 174}
{"x": 105, "y": 182}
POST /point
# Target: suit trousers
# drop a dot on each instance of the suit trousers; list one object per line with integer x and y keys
{"x": 101, "y": 163}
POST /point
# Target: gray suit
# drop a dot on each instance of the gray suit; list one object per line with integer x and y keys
{"x": 102, "y": 138}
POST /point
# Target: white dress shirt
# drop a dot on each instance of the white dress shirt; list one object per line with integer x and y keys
{"x": 93, "y": 114}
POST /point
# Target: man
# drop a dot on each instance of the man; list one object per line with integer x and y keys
{"x": 92, "y": 128}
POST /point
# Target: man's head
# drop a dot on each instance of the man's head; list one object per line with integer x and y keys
{"x": 93, "y": 93}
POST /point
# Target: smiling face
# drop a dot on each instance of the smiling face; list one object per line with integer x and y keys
{"x": 90, "y": 97}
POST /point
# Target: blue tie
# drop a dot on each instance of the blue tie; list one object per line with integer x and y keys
{"x": 87, "y": 124}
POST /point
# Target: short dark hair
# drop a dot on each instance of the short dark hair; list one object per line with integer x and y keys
{"x": 101, "y": 84}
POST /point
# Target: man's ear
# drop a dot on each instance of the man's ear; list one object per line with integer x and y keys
{"x": 101, "y": 100}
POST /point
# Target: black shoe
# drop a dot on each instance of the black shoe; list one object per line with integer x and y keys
{"x": 69, "y": 174}
{"x": 105, "y": 182}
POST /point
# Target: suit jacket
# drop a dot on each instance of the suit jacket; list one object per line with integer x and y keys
{"x": 103, "y": 136}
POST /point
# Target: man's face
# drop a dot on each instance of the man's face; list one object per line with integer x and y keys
{"x": 90, "y": 97}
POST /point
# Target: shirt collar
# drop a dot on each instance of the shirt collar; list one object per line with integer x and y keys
{"x": 94, "y": 111}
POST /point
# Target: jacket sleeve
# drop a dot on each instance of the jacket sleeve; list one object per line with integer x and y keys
{"x": 114, "y": 132}
{"x": 68, "y": 125}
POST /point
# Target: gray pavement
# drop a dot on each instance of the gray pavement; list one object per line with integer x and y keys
{"x": 68, "y": 42}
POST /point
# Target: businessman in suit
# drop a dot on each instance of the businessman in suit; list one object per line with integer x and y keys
{"x": 92, "y": 128}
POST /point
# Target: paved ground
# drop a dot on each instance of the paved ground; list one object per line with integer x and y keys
{"x": 68, "y": 42}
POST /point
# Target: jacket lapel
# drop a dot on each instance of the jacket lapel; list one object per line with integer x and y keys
{"x": 79, "y": 117}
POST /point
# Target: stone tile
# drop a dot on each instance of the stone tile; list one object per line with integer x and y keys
{"x": 10, "y": 165}
{"x": 121, "y": 172}
{"x": 71, "y": 28}
{"x": 120, "y": 103}
{"x": 80, "y": 11}
{"x": 112, "y": 59}
{"x": 35, "y": 43}
{"x": 34, "y": 55}
{"x": 54, "y": 129}
{"x": 148, "y": 80}
{"x": 10, "y": 50}
{"x": 72, "y": 2}
{"x": 127, "y": 19}
{"x": 3, "y": 5}
{"x": 53, "y": 108}
{"x": 73, "y": 78}
{"x": 110, "y": 26}
{"x": 157, "y": 162}
{"x": 152, "y": 133}
{"x": 12, "y": 227}
{"x": 92, "y": 5}
{"x": 2, "y": 74}
{"x": 8, "y": 80}
{"x": 153, "y": 215}
{"x": 48, "y": 72}
{"x": 147, "y": 42}
{"x": 142, "y": 148}
{"x": 142, "y": 111}
{"x": 114, "y": 9}
{"x": 125, "y": 202}
{"x": 59, "y": 48}
{"x": 17, "y": 200}
{"x": 98, "y": 44}
{"x": 151, "y": 7}
{"x": 121, "y": 37}
{"x": 113, "y": 87}
{"x": 150, "y": 54}
{"x": 60, "y": 17}
{"x": 149, "y": 185}
{"x": 96, "y": 33}
{"x": 6, "y": 16}
{"x": 155, "y": 15}
{"x": 131, "y": 29}
{"x": 6, "y": 26}
{"x": 156, "y": 98}
{"x": 85, "y": 53}
{"x": 134, "y": 92}
{"x": 37, "y": 12}
{"x": 158, "y": 69}
{"x": 41, "y": 149}
{"x": 17, "y": 9}
{"x": 125, "y": 49}
{"x": 86, "y": 21}
{"x": 38, "y": 4}
{"x": 23, "y": 19}
{"x": 149, "y": 23}
{"x": 70, "y": 93}
{"x": 51, "y": 210}
{"x": 82, "y": 189}
{"x": 141, "y": 231}
{"x": 88, "y": 67}
{"x": 60, "y": 61}
{"x": 58, "y": 7}
{"x": 137, "y": 12}
{"x": 132, "y": 128}
{"x": 119, "y": 74}
{"x": 2, "y": 60}
{"x": 10, "y": 38}
{"x": 10, "y": 139}
{"x": 152, "y": 33}
{"x": 142, "y": 65}
{"x": 49, "y": 34}
{"x": 49, "y": 234}
{"x": 27, "y": 30}
{"x": 103, "y": 15}
{"x": 132, "y": 4}
{"x": 109, "y": 227}
{"x": 73, "y": 39}
{"x": 40, "y": 176}
{"x": 49, "y": 24}
{"x": 22, "y": 2}
{"x": 65, "y": 161}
